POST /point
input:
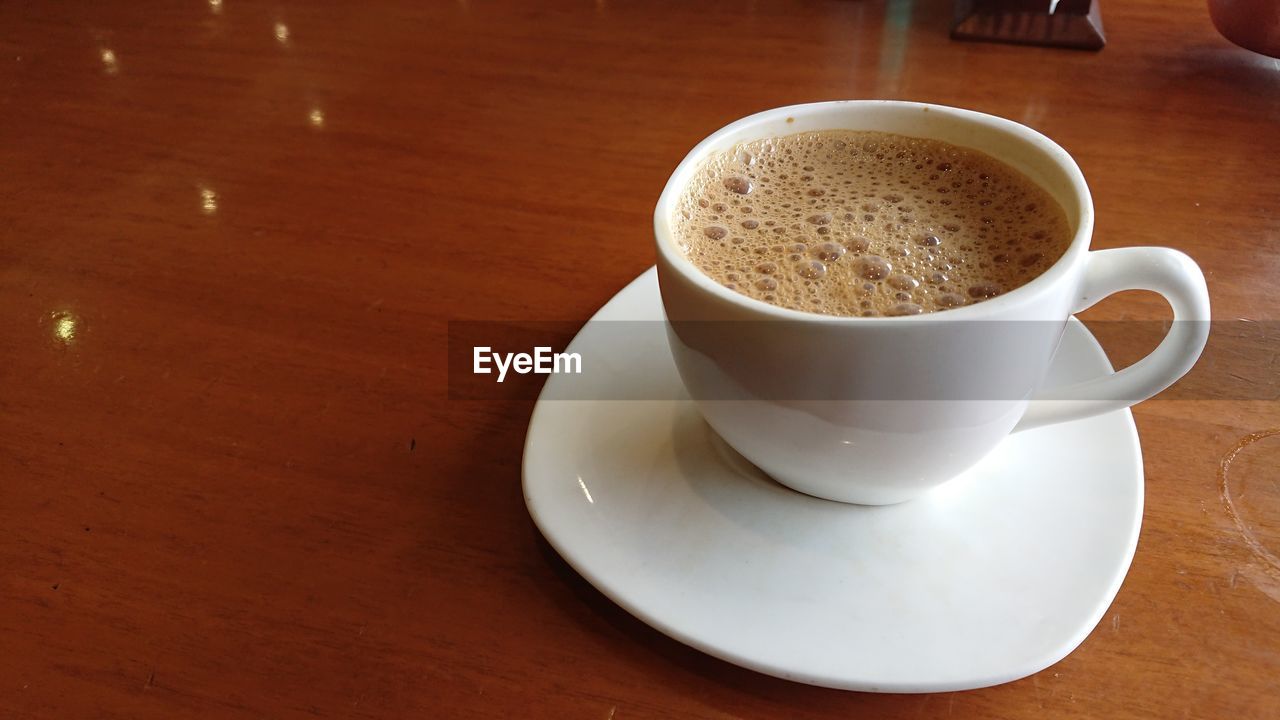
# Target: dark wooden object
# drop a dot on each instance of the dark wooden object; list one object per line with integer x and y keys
{"x": 1075, "y": 24}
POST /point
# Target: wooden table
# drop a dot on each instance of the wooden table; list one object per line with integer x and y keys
{"x": 232, "y": 484}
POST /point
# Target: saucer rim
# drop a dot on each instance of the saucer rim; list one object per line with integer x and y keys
{"x": 1050, "y": 658}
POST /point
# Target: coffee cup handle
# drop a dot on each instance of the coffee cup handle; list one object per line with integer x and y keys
{"x": 1162, "y": 270}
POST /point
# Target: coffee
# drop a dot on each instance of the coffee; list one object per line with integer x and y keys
{"x": 865, "y": 223}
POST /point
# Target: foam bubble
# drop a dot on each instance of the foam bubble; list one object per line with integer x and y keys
{"x": 904, "y": 308}
{"x": 829, "y": 251}
{"x": 811, "y": 270}
{"x": 983, "y": 291}
{"x": 873, "y": 267}
{"x": 903, "y": 282}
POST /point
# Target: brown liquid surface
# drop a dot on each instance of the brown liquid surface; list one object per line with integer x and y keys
{"x": 862, "y": 223}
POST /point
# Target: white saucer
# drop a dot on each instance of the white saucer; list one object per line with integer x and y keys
{"x": 992, "y": 577}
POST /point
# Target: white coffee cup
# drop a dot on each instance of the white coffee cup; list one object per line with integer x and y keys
{"x": 878, "y": 410}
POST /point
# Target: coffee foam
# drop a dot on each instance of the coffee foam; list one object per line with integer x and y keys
{"x": 862, "y": 224}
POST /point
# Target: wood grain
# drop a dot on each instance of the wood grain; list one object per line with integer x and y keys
{"x": 231, "y": 237}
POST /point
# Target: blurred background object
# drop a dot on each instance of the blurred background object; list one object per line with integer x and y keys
{"x": 1075, "y": 24}
{"x": 1251, "y": 24}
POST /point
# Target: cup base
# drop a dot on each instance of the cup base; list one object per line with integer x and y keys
{"x": 745, "y": 468}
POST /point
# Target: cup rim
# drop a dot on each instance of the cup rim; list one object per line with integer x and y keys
{"x": 1042, "y": 283}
